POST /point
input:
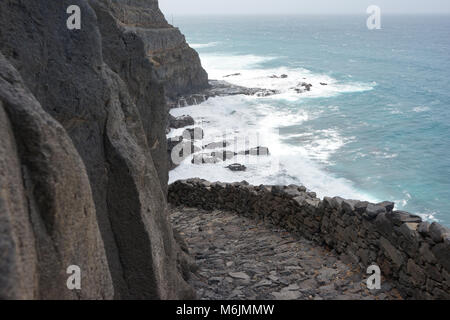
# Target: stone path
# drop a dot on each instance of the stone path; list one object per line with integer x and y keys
{"x": 240, "y": 258}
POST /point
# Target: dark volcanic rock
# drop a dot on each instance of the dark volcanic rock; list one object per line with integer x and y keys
{"x": 88, "y": 127}
{"x": 372, "y": 211}
{"x": 217, "y": 88}
{"x": 223, "y": 88}
{"x": 232, "y": 75}
{"x": 266, "y": 93}
{"x": 175, "y": 63}
{"x": 400, "y": 217}
{"x": 45, "y": 228}
{"x": 283, "y": 76}
{"x": 180, "y": 122}
{"x": 438, "y": 232}
{"x": 307, "y": 86}
{"x": 237, "y": 167}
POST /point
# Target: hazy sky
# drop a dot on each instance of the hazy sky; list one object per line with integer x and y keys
{"x": 301, "y": 6}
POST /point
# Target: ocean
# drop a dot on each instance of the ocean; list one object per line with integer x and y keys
{"x": 375, "y": 125}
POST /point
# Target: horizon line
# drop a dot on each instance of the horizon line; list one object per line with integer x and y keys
{"x": 311, "y": 14}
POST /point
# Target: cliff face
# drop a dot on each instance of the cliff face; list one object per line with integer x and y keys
{"x": 83, "y": 162}
{"x": 175, "y": 63}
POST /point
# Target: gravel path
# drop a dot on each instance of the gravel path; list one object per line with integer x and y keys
{"x": 243, "y": 259}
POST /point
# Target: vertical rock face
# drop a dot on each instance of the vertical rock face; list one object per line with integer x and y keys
{"x": 175, "y": 63}
{"x": 47, "y": 212}
{"x": 83, "y": 167}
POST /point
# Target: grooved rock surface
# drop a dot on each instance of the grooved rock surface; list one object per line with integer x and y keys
{"x": 83, "y": 163}
{"x": 47, "y": 212}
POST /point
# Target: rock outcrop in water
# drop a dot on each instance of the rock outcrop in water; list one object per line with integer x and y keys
{"x": 83, "y": 166}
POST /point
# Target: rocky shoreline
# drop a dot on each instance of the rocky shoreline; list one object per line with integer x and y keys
{"x": 216, "y": 88}
{"x": 414, "y": 256}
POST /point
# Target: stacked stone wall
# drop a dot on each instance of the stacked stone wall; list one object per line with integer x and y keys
{"x": 413, "y": 253}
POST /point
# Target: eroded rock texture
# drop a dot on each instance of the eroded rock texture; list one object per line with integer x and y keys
{"x": 83, "y": 162}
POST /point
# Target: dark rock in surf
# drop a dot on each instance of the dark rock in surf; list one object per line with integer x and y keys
{"x": 266, "y": 93}
{"x": 307, "y": 86}
{"x": 232, "y": 75}
{"x": 236, "y": 167}
{"x": 180, "y": 122}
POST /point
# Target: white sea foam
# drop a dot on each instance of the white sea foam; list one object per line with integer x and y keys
{"x": 203, "y": 45}
{"x": 248, "y": 71}
{"x": 297, "y": 162}
{"x": 242, "y": 116}
{"x": 421, "y": 109}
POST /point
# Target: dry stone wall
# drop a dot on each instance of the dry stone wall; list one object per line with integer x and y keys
{"x": 413, "y": 253}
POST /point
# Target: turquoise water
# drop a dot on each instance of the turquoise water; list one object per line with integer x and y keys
{"x": 378, "y": 130}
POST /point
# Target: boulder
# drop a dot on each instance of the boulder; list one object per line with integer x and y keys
{"x": 232, "y": 75}
{"x": 236, "y": 167}
{"x": 400, "y": 217}
{"x": 372, "y": 211}
{"x": 180, "y": 122}
{"x": 438, "y": 232}
{"x": 424, "y": 228}
{"x": 307, "y": 86}
{"x": 388, "y": 205}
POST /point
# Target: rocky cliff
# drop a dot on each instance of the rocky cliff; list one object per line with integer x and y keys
{"x": 175, "y": 63}
{"x": 83, "y": 167}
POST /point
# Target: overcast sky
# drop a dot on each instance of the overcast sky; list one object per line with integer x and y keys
{"x": 301, "y": 6}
